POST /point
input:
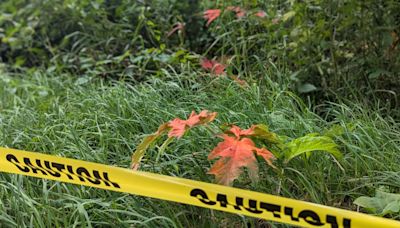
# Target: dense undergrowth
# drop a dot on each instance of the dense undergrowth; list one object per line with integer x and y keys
{"x": 90, "y": 79}
{"x": 328, "y": 48}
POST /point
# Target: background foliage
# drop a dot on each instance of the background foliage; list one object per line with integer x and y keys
{"x": 327, "y": 47}
{"x": 90, "y": 79}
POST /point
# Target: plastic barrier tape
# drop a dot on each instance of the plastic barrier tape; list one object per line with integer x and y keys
{"x": 185, "y": 191}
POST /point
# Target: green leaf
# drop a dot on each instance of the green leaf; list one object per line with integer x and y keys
{"x": 306, "y": 88}
{"x": 261, "y": 131}
{"x": 391, "y": 208}
{"x": 382, "y": 204}
{"x": 372, "y": 204}
{"x": 377, "y": 73}
{"x": 310, "y": 143}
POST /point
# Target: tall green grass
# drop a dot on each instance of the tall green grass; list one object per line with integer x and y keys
{"x": 102, "y": 121}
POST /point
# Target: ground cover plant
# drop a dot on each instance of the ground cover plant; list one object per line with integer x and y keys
{"x": 298, "y": 99}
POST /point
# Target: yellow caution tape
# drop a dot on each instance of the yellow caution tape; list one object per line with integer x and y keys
{"x": 185, "y": 191}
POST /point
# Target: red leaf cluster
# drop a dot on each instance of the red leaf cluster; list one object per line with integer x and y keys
{"x": 178, "y": 126}
{"x": 210, "y": 15}
{"x": 213, "y": 66}
{"x": 234, "y": 153}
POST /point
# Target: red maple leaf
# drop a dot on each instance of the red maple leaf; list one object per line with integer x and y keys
{"x": 214, "y": 66}
{"x": 210, "y": 15}
{"x": 179, "y": 126}
{"x": 235, "y": 153}
{"x": 207, "y": 64}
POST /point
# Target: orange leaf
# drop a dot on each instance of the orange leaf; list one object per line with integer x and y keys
{"x": 234, "y": 154}
{"x": 266, "y": 154}
{"x": 207, "y": 64}
{"x": 211, "y": 14}
{"x": 179, "y": 126}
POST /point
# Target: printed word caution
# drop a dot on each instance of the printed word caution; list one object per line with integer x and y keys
{"x": 55, "y": 169}
{"x": 276, "y": 210}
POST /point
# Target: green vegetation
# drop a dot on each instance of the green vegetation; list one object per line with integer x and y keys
{"x": 383, "y": 203}
{"x": 91, "y": 79}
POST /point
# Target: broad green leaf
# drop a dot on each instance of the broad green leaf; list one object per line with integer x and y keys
{"x": 392, "y": 207}
{"x": 371, "y": 204}
{"x": 377, "y": 73}
{"x": 382, "y": 203}
{"x": 310, "y": 143}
